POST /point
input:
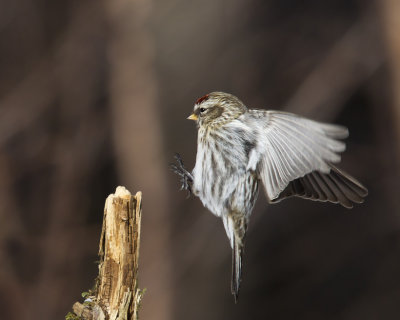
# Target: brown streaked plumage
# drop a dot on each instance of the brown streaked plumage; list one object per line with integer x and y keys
{"x": 239, "y": 147}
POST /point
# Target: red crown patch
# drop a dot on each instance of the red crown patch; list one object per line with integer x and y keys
{"x": 203, "y": 98}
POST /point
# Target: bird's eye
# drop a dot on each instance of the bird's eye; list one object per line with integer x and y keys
{"x": 202, "y": 110}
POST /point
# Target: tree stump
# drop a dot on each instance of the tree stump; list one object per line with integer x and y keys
{"x": 116, "y": 295}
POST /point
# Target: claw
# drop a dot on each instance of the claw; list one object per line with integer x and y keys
{"x": 186, "y": 177}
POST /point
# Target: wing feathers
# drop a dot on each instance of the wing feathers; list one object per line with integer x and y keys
{"x": 320, "y": 194}
{"x": 331, "y": 130}
{"x": 335, "y": 187}
{"x": 295, "y": 157}
{"x": 318, "y": 135}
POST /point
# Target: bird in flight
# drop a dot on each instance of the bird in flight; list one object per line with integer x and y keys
{"x": 238, "y": 149}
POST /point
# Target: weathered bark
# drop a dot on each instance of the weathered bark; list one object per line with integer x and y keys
{"x": 116, "y": 295}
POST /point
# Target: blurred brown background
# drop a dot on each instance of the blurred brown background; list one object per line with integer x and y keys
{"x": 95, "y": 94}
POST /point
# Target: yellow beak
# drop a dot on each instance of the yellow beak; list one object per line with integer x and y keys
{"x": 192, "y": 117}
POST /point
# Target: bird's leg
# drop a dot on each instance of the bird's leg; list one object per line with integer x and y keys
{"x": 185, "y": 176}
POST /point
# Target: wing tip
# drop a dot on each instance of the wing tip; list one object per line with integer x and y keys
{"x": 335, "y": 187}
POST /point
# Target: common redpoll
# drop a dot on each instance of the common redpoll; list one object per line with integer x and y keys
{"x": 238, "y": 147}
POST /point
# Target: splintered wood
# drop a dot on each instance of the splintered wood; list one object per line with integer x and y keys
{"x": 117, "y": 296}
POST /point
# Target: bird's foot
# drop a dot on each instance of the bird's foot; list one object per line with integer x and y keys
{"x": 185, "y": 176}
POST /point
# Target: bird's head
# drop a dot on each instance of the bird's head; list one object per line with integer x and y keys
{"x": 216, "y": 108}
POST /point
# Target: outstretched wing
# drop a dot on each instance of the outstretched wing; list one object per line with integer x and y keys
{"x": 336, "y": 187}
{"x": 294, "y": 157}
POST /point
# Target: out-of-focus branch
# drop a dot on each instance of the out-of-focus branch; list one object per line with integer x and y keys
{"x": 352, "y": 60}
{"x": 138, "y": 139}
{"x": 391, "y": 23}
{"x": 32, "y": 95}
{"x": 73, "y": 76}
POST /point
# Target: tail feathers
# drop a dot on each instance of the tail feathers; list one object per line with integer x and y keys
{"x": 237, "y": 251}
{"x": 235, "y": 226}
